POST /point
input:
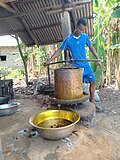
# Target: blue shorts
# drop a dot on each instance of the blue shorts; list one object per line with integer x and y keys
{"x": 88, "y": 75}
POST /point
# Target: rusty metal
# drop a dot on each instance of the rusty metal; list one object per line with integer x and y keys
{"x": 53, "y": 100}
{"x": 68, "y": 83}
{"x": 72, "y": 60}
{"x": 68, "y": 64}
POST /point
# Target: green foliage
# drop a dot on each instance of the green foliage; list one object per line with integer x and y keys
{"x": 116, "y": 46}
{"x": 41, "y": 55}
{"x": 25, "y": 52}
{"x": 115, "y": 37}
{"x": 26, "y": 55}
{"x": 116, "y": 13}
{"x": 8, "y": 73}
{"x": 17, "y": 73}
{"x": 102, "y": 10}
{"x": 95, "y": 2}
{"x": 4, "y": 72}
{"x": 61, "y": 56}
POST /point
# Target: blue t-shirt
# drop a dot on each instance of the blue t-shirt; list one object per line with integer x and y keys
{"x": 77, "y": 48}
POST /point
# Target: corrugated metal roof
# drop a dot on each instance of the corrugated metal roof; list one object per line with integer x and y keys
{"x": 39, "y": 21}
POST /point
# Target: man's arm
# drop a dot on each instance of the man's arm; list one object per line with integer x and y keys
{"x": 56, "y": 54}
{"x": 92, "y": 49}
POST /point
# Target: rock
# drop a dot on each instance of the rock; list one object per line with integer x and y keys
{"x": 40, "y": 96}
{"x": 87, "y": 112}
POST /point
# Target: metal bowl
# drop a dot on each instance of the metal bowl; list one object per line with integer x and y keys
{"x": 8, "y": 109}
{"x": 48, "y": 117}
{"x": 4, "y": 100}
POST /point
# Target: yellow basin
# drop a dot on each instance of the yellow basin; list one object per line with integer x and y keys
{"x": 55, "y": 124}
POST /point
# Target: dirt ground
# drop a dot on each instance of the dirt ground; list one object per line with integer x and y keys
{"x": 101, "y": 141}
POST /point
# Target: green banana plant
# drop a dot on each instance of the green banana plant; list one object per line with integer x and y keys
{"x": 102, "y": 40}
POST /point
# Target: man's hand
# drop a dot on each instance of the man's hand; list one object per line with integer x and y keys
{"x": 92, "y": 49}
{"x": 46, "y": 63}
{"x": 55, "y": 55}
{"x": 100, "y": 64}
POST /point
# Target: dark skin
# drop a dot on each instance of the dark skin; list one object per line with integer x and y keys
{"x": 79, "y": 30}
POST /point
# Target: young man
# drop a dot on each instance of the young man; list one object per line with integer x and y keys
{"x": 76, "y": 42}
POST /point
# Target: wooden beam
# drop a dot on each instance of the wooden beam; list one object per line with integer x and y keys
{"x": 63, "y": 10}
{"x": 9, "y": 32}
{"x": 28, "y": 30}
{"x": 8, "y": 8}
{"x": 46, "y": 9}
{"x": 69, "y": 1}
{"x": 50, "y": 42}
{"x": 7, "y": 1}
{"x": 45, "y": 26}
{"x": 21, "y": 19}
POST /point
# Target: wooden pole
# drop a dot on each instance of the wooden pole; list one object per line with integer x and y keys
{"x": 8, "y": 8}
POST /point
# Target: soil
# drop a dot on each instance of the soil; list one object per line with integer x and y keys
{"x": 101, "y": 141}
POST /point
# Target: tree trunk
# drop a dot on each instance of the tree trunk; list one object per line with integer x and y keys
{"x": 33, "y": 65}
{"x": 117, "y": 68}
{"x": 118, "y": 57}
{"x": 108, "y": 58}
{"x": 24, "y": 62}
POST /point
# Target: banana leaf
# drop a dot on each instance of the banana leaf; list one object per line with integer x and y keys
{"x": 116, "y": 13}
{"x": 116, "y": 46}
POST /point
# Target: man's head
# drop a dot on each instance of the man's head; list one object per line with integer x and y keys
{"x": 80, "y": 26}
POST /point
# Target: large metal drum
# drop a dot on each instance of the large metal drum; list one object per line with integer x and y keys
{"x": 68, "y": 83}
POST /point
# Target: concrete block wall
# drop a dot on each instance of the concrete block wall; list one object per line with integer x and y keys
{"x": 13, "y": 59}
